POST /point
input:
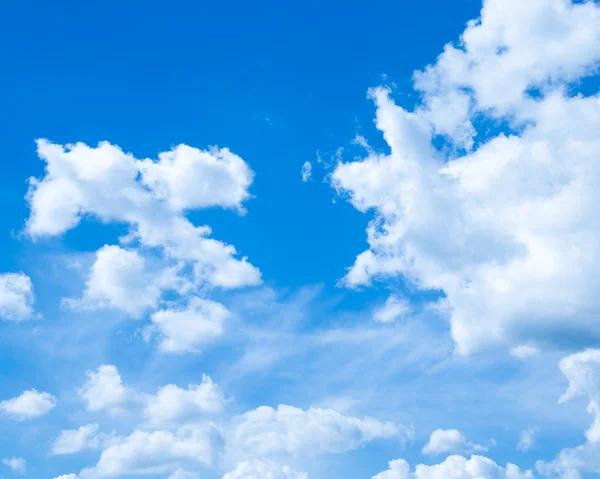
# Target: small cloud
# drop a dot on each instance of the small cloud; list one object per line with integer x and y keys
{"x": 17, "y": 464}
{"x": 527, "y": 439}
{"x": 394, "y": 308}
{"x": 306, "y": 171}
{"x": 29, "y": 405}
{"x": 524, "y": 351}
{"x": 450, "y": 441}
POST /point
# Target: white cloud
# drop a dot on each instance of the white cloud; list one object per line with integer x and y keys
{"x": 75, "y": 440}
{"x": 155, "y": 452}
{"x": 291, "y": 430}
{"x": 306, "y": 171}
{"x": 17, "y": 464}
{"x": 16, "y": 297}
{"x": 394, "y": 308}
{"x": 527, "y": 439}
{"x": 151, "y": 197}
{"x": 508, "y": 231}
{"x": 185, "y": 329}
{"x": 450, "y": 441}
{"x": 104, "y": 390}
{"x": 120, "y": 279}
{"x": 29, "y": 405}
{"x": 263, "y": 469}
{"x": 67, "y": 476}
{"x": 181, "y": 474}
{"x": 524, "y": 351}
{"x": 582, "y": 370}
{"x": 172, "y": 404}
{"x": 189, "y": 178}
{"x": 477, "y": 467}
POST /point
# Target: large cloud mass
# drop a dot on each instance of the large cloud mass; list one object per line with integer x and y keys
{"x": 508, "y": 229}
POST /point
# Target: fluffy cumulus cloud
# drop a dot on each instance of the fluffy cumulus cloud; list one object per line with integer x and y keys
{"x": 187, "y": 328}
{"x": 263, "y": 469}
{"x": 291, "y": 430}
{"x": 450, "y": 441}
{"x": 506, "y": 226}
{"x": 104, "y": 390}
{"x": 458, "y": 467}
{"x": 120, "y": 279}
{"x": 172, "y": 404}
{"x": 75, "y": 440}
{"x": 155, "y": 452}
{"x": 29, "y": 405}
{"x": 151, "y": 197}
{"x": 17, "y": 464}
{"x": 16, "y": 297}
{"x": 582, "y": 371}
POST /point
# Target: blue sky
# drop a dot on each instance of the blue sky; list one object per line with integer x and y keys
{"x": 290, "y": 242}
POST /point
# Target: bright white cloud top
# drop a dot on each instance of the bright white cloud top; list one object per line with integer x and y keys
{"x": 151, "y": 197}
{"x": 504, "y": 225}
{"x": 29, "y": 405}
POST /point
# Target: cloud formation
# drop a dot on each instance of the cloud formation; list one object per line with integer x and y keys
{"x": 16, "y": 297}
{"x": 29, "y": 405}
{"x": 151, "y": 197}
{"x": 450, "y": 441}
{"x": 505, "y": 226}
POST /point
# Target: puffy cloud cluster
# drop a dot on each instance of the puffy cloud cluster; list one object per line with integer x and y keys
{"x": 165, "y": 251}
{"x": 29, "y": 405}
{"x": 450, "y": 440}
{"x": 291, "y": 430}
{"x": 104, "y": 390}
{"x": 263, "y": 469}
{"x": 582, "y": 371}
{"x": 172, "y": 404}
{"x": 154, "y": 452}
{"x": 458, "y": 467}
{"x": 186, "y": 328}
{"x": 506, "y": 227}
{"x": 183, "y": 429}
{"x": 75, "y": 440}
{"x": 16, "y": 297}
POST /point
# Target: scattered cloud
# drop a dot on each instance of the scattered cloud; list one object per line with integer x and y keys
{"x": 444, "y": 441}
{"x": 185, "y": 329}
{"x": 17, "y": 464}
{"x": 104, "y": 390}
{"x": 263, "y": 469}
{"x": 172, "y": 404}
{"x": 29, "y": 405}
{"x": 16, "y": 297}
{"x": 120, "y": 279}
{"x": 306, "y": 171}
{"x": 155, "y": 452}
{"x": 527, "y": 439}
{"x": 454, "y": 466}
{"x": 75, "y": 440}
{"x": 525, "y": 351}
{"x": 291, "y": 430}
